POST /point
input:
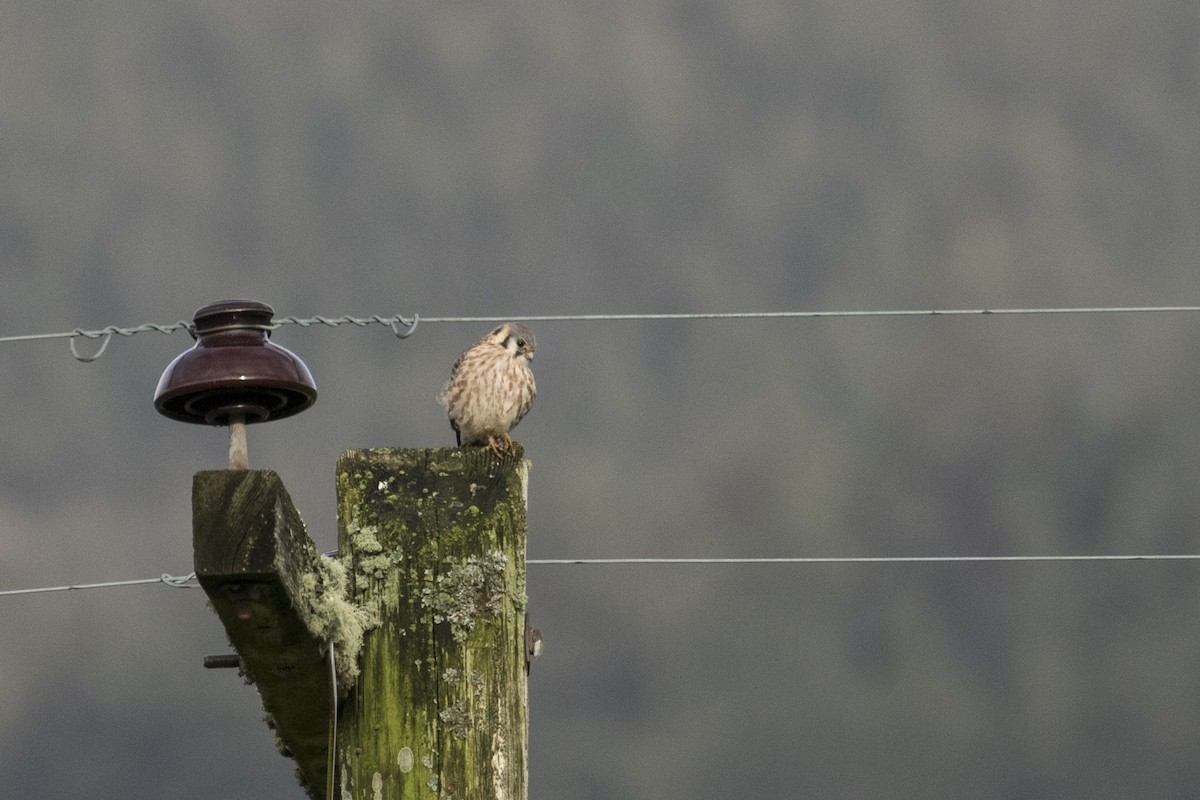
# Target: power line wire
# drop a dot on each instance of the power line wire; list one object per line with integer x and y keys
{"x": 106, "y": 331}
{"x": 932, "y": 312}
{"x": 863, "y": 559}
{"x": 176, "y": 581}
{"x": 410, "y": 324}
{"x": 189, "y": 581}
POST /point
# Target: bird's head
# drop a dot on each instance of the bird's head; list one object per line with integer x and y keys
{"x": 516, "y": 338}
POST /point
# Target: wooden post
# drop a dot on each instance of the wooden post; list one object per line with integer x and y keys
{"x": 427, "y": 598}
{"x": 436, "y": 540}
{"x": 281, "y": 604}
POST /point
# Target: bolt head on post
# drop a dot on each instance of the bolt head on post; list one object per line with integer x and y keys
{"x": 234, "y": 375}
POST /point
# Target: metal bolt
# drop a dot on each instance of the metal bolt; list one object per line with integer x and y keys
{"x": 230, "y": 661}
{"x": 533, "y": 645}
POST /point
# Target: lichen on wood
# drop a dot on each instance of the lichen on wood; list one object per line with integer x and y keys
{"x": 332, "y": 617}
{"x": 435, "y": 548}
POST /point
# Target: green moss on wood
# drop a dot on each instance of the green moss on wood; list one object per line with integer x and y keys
{"x": 435, "y": 542}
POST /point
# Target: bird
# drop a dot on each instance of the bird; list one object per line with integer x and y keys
{"x": 491, "y": 388}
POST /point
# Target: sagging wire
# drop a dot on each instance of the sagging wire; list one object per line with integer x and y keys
{"x": 331, "y": 759}
{"x": 105, "y": 334}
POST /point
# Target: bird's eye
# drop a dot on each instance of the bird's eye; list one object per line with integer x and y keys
{"x": 520, "y": 342}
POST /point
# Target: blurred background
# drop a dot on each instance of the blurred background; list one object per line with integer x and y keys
{"x": 578, "y": 157}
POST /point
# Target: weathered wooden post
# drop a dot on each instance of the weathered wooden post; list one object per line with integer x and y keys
{"x": 282, "y": 604}
{"x": 435, "y": 541}
{"x": 396, "y": 669}
{"x": 424, "y": 611}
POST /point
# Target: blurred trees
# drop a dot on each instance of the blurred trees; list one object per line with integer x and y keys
{"x": 668, "y": 156}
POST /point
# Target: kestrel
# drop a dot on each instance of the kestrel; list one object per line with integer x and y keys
{"x": 491, "y": 388}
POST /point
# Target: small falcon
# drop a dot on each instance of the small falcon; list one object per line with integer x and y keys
{"x": 491, "y": 388}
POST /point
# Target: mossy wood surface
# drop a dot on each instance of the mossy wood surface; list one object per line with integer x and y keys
{"x": 252, "y": 556}
{"x": 437, "y": 546}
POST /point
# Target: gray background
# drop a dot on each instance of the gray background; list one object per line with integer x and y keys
{"x": 521, "y": 158}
